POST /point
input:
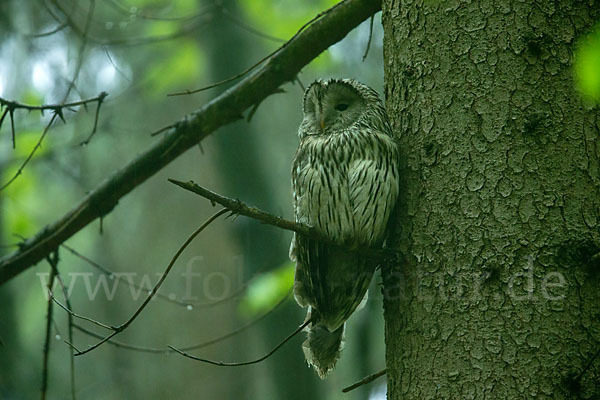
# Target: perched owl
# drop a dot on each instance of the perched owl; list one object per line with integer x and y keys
{"x": 345, "y": 184}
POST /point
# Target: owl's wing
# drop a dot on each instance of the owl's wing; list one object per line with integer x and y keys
{"x": 331, "y": 279}
{"x": 373, "y": 186}
{"x": 304, "y": 251}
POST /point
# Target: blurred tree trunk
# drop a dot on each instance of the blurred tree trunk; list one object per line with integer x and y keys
{"x": 241, "y": 163}
{"x": 496, "y": 296}
{"x": 8, "y": 382}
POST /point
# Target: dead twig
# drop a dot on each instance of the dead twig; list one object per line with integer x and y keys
{"x": 156, "y": 350}
{"x": 53, "y": 261}
{"x": 365, "y": 380}
{"x": 240, "y": 208}
{"x": 262, "y": 60}
{"x": 70, "y": 325}
{"x": 120, "y": 328}
{"x": 239, "y": 364}
{"x": 364, "y": 57}
{"x": 187, "y": 304}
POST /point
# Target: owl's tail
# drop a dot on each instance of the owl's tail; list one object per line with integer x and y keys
{"x": 322, "y": 348}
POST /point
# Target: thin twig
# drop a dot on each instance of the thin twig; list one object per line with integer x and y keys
{"x": 59, "y": 28}
{"x": 112, "y": 274}
{"x": 52, "y": 260}
{"x": 15, "y": 105}
{"x": 156, "y": 350}
{"x": 57, "y": 109}
{"x": 95, "y": 127}
{"x": 11, "y": 106}
{"x": 120, "y": 328}
{"x": 78, "y": 316}
{"x": 365, "y": 380}
{"x": 236, "y": 21}
{"x": 164, "y": 128}
{"x": 370, "y": 37}
{"x": 238, "y": 207}
{"x": 31, "y": 153}
{"x": 239, "y": 364}
{"x": 262, "y": 60}
{"x": 249, "y": 211}
{"x": 299, "y": 82}
{"x": 127, "y": 12}
{"x": 11, "y": 115}
{"x": 70, "y": 323}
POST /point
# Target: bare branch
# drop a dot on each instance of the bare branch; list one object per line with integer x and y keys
{"x": 120, "y": 328}
{"x": 70, "y": 325}
{"x": 57, "y": 109}
{"x": 186, "y": 133}
{"x": 15, "y": 105}
{"x": 249, "y": 211}
{"x": 53, "y": 261}
{"x": 239, "y": 364}
{"x": 262, "y": 60}
{"x": 58, "y": 28}
{"x": 365, "y": 380}
{"x": 73, "y": 314}
{"x": 159, "y": 295}
{"x": 156, "y": 350}
{"x": 31, "y": 153}
{"x": 227, "y": 14}
{"x": 238, "y": 207}
{"x": 370, "y": 37}
{"x": 11, "y": 106}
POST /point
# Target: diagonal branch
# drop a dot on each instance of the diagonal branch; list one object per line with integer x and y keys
{"x": 241, "y": 208}
{"x": 365, "y": 380}
{"x": 187, "y": 132}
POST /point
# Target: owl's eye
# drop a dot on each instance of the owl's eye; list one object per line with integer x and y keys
{"x": 341, "y": 106}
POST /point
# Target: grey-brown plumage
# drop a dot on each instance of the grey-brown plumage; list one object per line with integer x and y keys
{"x": 345, "y": 183}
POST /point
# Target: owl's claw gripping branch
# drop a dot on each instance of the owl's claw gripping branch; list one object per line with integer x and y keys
{"x": 238, "y": 207}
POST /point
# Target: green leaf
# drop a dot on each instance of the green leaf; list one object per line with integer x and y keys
{"x": 267, "y": 290}
{"x": 587, "y": 65}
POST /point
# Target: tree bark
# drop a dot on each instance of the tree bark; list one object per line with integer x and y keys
{"x": 497, "y": 296}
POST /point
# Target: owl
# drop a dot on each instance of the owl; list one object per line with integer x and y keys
{"x": 345, "y": 185}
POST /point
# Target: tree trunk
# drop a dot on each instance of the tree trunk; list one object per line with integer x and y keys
{"x": 496, "y": 296}
{"x": 239, "y": 162}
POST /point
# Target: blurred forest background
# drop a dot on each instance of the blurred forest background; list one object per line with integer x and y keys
{"x": 138, "y": 51}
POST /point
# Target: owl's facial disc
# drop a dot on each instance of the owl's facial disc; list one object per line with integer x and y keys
{"x": 341, "y": 106}
{"x": 332, "y": 106}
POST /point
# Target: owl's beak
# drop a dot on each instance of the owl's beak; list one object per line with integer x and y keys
{"x": 322, "y": 123}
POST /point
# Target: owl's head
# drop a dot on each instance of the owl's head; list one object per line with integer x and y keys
{"x": 333, "y": 105}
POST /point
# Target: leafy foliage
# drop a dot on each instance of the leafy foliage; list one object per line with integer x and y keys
{"x": 587, "y": 65}
{"x": 267, "y": 289}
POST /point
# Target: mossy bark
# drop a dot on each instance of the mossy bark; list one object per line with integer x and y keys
{"x": 498, "y": 295}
